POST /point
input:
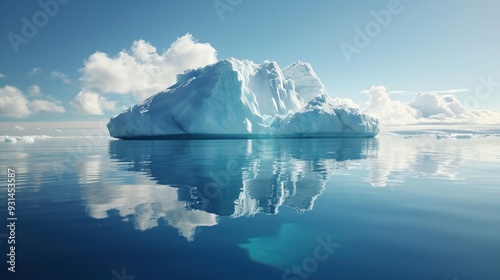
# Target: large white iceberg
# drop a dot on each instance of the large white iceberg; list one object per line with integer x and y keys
{"x": 240, "y": 99}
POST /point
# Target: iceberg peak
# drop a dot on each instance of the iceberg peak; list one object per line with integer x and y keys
{"x": 239, "y": 98}
{"x": 301, "y": 64}
{"x": 307, "y": 83}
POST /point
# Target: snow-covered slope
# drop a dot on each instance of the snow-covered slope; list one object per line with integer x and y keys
{"x": 238, "y": 98}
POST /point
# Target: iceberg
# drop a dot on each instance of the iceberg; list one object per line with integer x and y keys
{"x": 241, "y": 99}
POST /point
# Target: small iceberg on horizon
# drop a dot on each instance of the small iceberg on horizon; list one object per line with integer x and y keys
{"x": 456, "y": 136}
{"x": 240, "y": 99}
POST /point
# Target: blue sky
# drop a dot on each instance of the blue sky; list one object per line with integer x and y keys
{"x": 425, "y": 46}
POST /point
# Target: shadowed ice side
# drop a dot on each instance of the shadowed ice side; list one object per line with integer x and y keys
{"x": 234, "y": 178}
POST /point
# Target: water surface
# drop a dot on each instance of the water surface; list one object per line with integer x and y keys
{"x": 394, "y": 207}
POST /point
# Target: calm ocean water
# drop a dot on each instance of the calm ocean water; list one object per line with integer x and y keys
{"x": 397, "y": 207}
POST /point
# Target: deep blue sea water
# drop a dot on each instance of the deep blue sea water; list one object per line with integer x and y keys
{"x": 401, "y": 206}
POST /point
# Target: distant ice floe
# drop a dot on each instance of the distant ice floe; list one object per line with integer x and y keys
{"x": 9, "y": 139}
{"x": 30, "y": 139}
{"x": 444, "y": 131}
{"x": 456, "y": 136}
{"x": 22, "y": 139}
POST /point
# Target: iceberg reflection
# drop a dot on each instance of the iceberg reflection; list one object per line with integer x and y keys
{"x": 189, "y": 184}
{"x": 231, "y": 178}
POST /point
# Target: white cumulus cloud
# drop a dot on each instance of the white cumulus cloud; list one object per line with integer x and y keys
{"x": 425, "y": 107}
{"x": 141, "y": 71}
{"x": 14, "y": 104}
{"x": 34, "y": 90}
{"x": 389, "y": 111}
{"x": 34, "y": 71}
{"x": 61, "y": 76}
{"x": 433, "y": 105}
{"x": 457, "y": 90}
{"x": 91, "y": 103}
{"x": 46, "y": 105}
